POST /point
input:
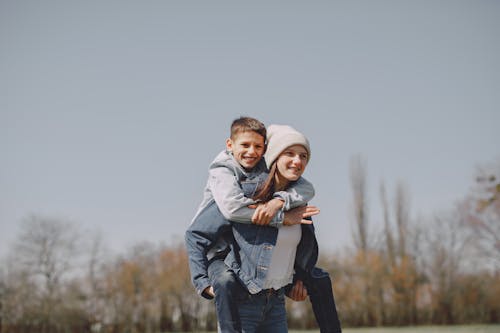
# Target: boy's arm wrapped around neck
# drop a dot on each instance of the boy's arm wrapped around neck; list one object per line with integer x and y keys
{"x": 299, "y": 193}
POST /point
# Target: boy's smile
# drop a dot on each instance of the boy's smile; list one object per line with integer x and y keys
{"x": 247, "y": 148}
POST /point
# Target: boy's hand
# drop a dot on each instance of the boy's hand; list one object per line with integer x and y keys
{"x": 298, "y": 292}
{"x": 298, "y": 215}
{"x": 264, "y": 213}
{"x": 209, "y": 291}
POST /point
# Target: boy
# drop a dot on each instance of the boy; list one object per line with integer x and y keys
{"x": 239, "y": 166}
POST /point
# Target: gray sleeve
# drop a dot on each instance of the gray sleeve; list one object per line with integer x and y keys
{"x": 229, "y": 196}
{"x": 298, "y": 194}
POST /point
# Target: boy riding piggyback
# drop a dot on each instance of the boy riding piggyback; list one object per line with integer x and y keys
{"x": 234, "y": 176}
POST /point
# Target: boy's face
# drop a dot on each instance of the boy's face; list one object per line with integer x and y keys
{"x": 247, "y": 148}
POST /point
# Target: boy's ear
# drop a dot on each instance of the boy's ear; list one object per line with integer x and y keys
{"x": 229, "y": 144}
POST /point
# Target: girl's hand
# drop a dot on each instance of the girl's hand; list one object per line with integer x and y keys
{"x": 298, "y": 215}
{"x": 298, "y": 292}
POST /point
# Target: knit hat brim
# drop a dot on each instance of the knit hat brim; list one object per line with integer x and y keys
{"x": 280, "y": 137}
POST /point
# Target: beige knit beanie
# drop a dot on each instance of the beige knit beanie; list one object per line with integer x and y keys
{"x": 280, "y": 137}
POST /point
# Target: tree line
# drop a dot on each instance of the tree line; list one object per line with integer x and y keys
{"x": 441, "y": 269}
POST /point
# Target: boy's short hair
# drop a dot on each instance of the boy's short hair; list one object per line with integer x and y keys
{"x": 245, "y": 124}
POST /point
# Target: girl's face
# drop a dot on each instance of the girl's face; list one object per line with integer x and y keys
{"x": 292, "y": 162}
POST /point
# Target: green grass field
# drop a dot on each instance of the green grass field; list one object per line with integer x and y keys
{"x": 418, "y": 329}
{"x": 422, "y": 329}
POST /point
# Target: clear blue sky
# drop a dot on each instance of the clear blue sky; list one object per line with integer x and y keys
{"x": 110, "y": 111}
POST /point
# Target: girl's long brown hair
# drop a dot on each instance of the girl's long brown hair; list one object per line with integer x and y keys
{"x": 265, "y": 193}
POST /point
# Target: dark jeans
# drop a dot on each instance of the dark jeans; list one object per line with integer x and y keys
{"x": 227, "y": 290}
{"x": 319, "y": 287}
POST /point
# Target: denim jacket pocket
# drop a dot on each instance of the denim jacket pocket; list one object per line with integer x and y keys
{"x": 249, "y": 187}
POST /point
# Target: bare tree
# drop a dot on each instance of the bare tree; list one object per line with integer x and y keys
{"x": 482, "y": 214}
{"x": 446, "y": 253}
{"x": 400, "y": 260}
{"x": 402, "y": 217}
{"x": 368, "y": 261}
{"x": 19, "y": 296}
{"x": 174, "y": 281}
{"x": 45, "y": 249}
{"x": 389, "y": 238}
{"x": 358, "y": 183}
{"x": 95, "y": 307}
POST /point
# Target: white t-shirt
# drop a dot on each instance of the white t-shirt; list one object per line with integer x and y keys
{"x": 280, "y": 272}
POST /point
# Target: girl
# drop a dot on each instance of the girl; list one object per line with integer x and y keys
{"x": 265, "y": 259}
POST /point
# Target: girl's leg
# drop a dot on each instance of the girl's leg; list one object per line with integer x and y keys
{"x": 319, "y": 287}
{"x": 275, "y": 313}
{"x": 251, "y": 310}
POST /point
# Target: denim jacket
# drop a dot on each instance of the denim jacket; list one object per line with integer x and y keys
{"x": 251, "y": 253}
{"x": 226, "y": 197}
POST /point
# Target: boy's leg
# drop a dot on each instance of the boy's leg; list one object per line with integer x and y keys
{"x": 226, "y": 289}
{"x": 319, "y": 287}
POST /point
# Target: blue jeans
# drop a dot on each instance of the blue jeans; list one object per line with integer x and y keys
{"x": 231, "y": 295}
{"x": 227, "y": 290}
{"x": 263, "y": 312}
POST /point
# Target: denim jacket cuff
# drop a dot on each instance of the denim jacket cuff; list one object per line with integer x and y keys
{"x": 286, "y": 199}
{"x": 201, "y": 286}
{"x": 277, "y": 220}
